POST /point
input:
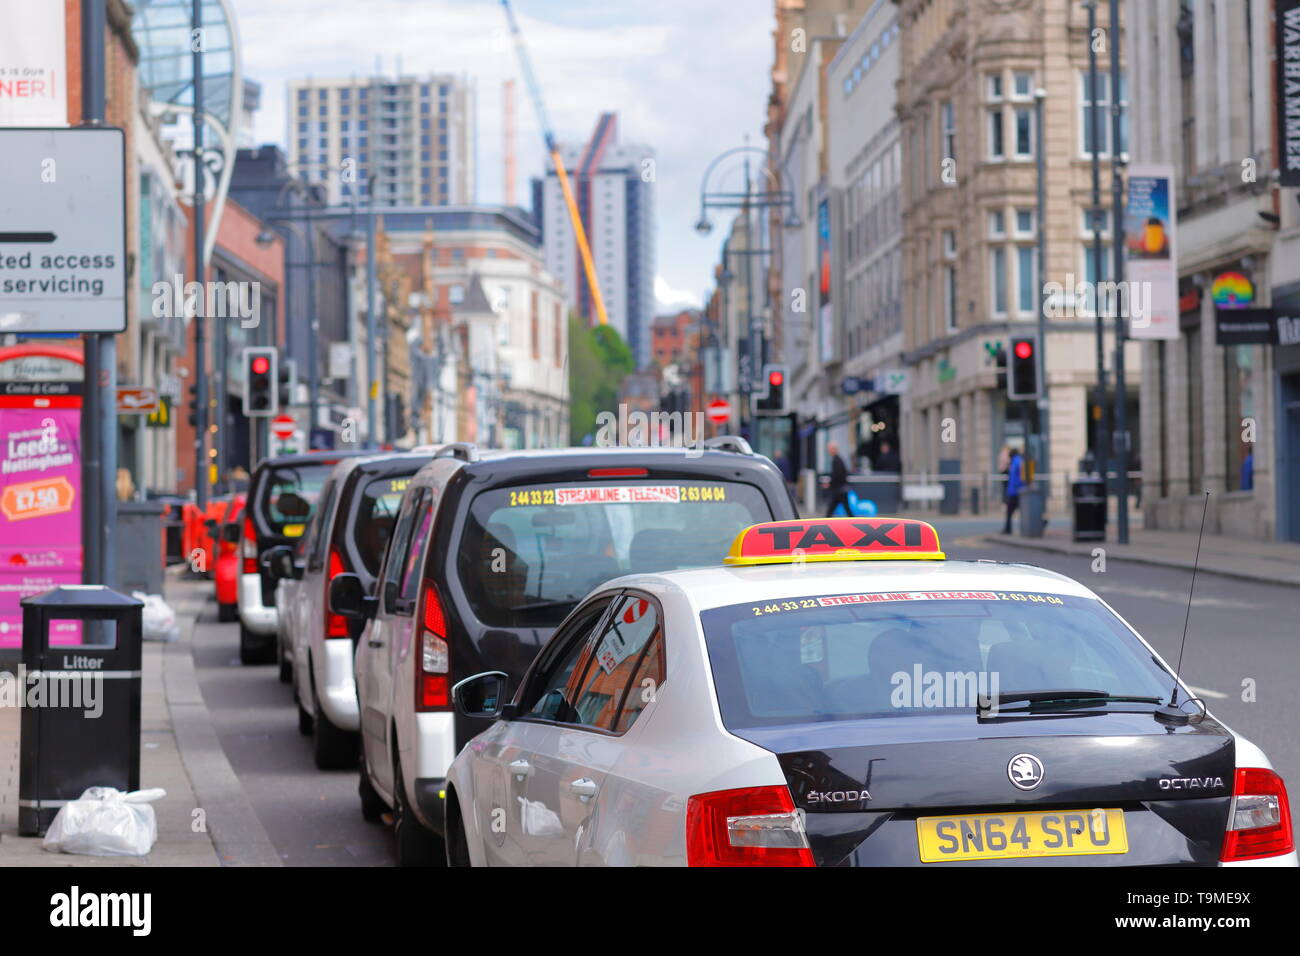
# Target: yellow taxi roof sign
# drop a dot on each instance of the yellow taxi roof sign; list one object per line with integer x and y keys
{"x": 835, "y": 539}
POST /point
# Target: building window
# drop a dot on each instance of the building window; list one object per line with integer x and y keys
{"x": 1102, "y": 106}
{"x": 997, "y": 224}
{"x": 997, "y": 150}
{"x": 1024, "y": 223}
{"x": 949, "y": 280}
{"x": 1024, "y": 132}
{"x": 1022, "y": 86}
{"x": 1026, "y": 300}
{"x": 1091, "y": 273}
{"x": 994, "y": 88}
{"x": 998, "y": 278}
{"x": 536, "y": 323}
{"x": 456, "y": 294}
{"x": 948, "y": 119}
{"x": 1239, "y": 403}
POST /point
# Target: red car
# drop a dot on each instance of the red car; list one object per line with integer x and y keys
{"x": 225, "y": 565}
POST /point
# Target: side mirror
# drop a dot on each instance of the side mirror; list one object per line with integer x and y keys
{"x": 278, "y": 561}
{"x": 348, "y": 597}
{"x": 482, "y": 695}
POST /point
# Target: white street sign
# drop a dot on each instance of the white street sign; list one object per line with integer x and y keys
{"x": 63, "y": 230}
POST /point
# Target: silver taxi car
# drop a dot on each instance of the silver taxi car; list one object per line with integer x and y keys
{"x": 837, "y": 693}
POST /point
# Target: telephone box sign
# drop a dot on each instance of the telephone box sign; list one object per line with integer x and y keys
{"x": 40, "y": 482}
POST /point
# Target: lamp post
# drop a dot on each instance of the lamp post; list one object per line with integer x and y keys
{"x": 307, "y": 235}
{"x": 372, "y": 381}
{"x": 1096, "y": 219}
{"x": 1121, "y": 325}
{"x": 748, "y": 201}
{"x": 1039, "y": 491}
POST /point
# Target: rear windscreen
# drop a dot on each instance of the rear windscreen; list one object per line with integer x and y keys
{"x": 850, "y": 656}
{"x": 530, "y": 553}
{"x": 376, "y": 514}
{"x": 288, "y": 497}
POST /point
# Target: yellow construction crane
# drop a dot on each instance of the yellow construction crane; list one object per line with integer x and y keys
{"x": 525, "y": 64}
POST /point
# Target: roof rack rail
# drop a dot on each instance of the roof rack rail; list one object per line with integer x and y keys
{"x": 464, "y": 450}
{"x": 733, "y": 443}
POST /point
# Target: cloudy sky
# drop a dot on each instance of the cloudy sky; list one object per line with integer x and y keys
{"x": 687, "y": 77}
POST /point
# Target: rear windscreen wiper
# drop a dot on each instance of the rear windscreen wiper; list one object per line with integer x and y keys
{"x": 1043, "y": 699}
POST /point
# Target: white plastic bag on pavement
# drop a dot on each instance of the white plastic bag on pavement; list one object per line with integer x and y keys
{"x": 106, "y": 822}
{"x": 158, "y": 620}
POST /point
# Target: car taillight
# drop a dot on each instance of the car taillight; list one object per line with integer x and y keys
{"x": 753, "y": 826}
{"x": 248, "y": 547}
{"x": 1259, "y": 823}
{"x": 336, "y": 625}
{"x": 433, "y": 676}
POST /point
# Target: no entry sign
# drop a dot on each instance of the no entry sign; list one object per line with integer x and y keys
{"x": 719, "y": 411}
{"x": 283, "y": 426}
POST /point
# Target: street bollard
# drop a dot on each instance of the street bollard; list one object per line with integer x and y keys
{"x": 81, "y": 701}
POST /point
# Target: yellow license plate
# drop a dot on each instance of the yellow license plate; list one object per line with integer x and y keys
{"x": 294, "y": 530}
{"x": 1004, "y": 836}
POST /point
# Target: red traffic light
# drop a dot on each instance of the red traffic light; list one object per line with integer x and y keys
{"x": 1024, "y": 350}
{"x": 775, "y": 378}
{"x": 261, "y": 365}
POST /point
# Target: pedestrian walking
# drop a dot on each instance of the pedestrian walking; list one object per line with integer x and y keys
{"x": 1015, "y": 482}
{"x": 839, "y": 481}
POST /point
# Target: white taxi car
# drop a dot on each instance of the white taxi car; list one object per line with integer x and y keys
{"x": 837, "y": 693}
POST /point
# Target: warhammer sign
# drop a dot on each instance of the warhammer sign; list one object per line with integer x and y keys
{"x": 1288, "y": 91}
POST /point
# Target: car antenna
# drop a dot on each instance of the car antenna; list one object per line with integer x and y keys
{"x": 1171, "y": 713}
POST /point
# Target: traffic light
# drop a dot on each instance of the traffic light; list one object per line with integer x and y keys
{"x": 1000, "y": 360}
{"x": 261, "y": 382}
{"x": 194, "y": 405}
{"x": 1022, "y": 376}
{"x": 288, "y": 379}
{"x": 772, "y": 401}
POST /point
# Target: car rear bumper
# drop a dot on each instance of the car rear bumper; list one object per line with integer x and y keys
{"x": 1286, "y": 859}
{"x": 435, "y": 748}
{"x": 255, "y": 615}
{"x": 430, "y": 796}
{"x": 337, "y": 685}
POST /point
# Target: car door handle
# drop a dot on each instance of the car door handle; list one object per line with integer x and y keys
{"x": 583, "y": 787}
{"x": 375, "y": 642}
{"x": 521, "y": 768}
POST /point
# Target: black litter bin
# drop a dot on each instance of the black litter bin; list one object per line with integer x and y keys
{"x": 1088, "y": 495}
{"x": 81, "y": 702}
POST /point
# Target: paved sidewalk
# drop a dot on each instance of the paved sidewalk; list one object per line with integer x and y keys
{"x": 1274, "y": 562}
{"x": 179, "y": 752}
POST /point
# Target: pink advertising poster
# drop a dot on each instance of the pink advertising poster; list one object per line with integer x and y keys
{"x": 40, "y": 511}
